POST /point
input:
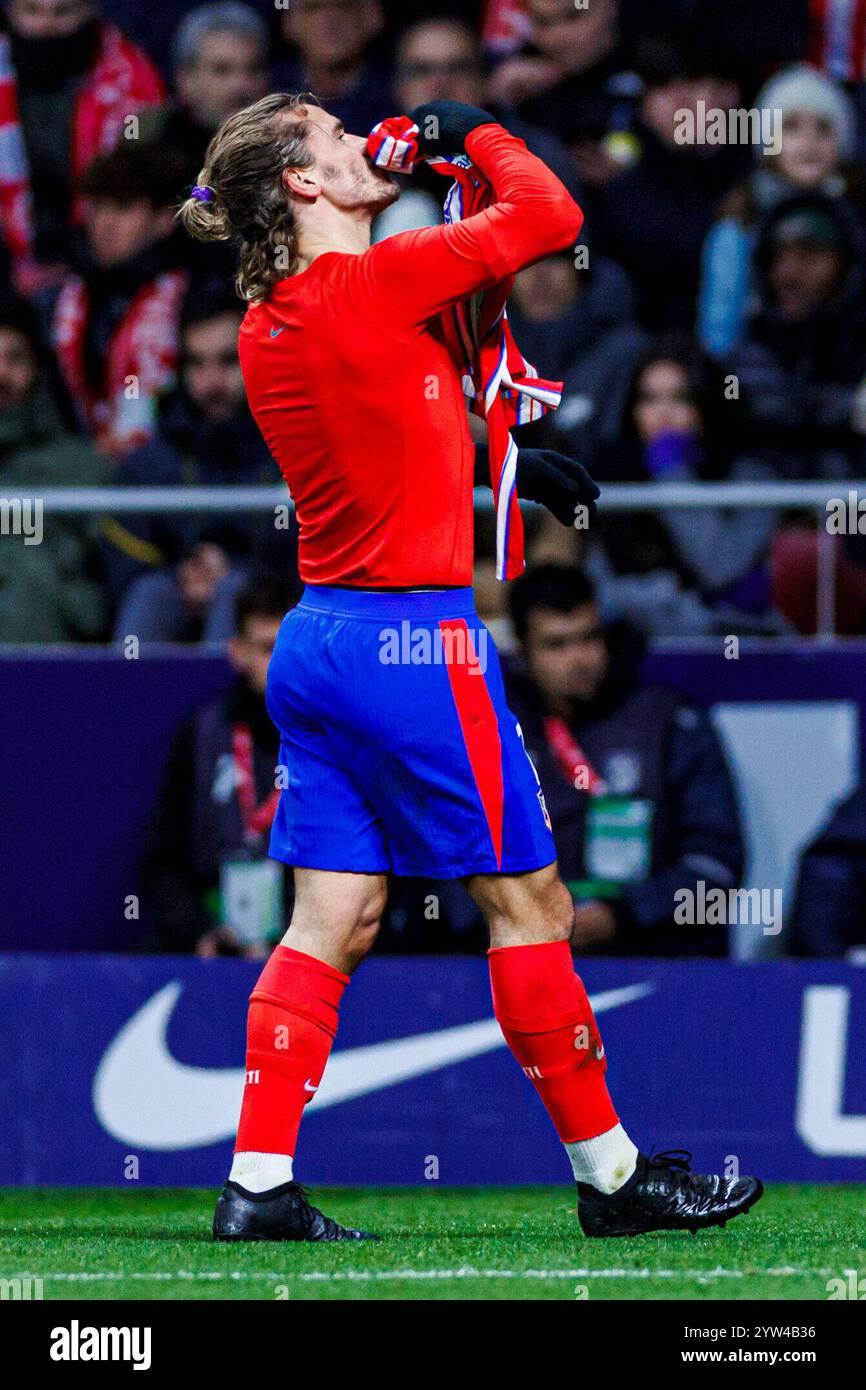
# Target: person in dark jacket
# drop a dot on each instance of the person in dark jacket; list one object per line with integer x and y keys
{"x": 635, "y": 781}
{"x": 682, "y": 571}
{"x": 51, "y": 584}
{"x": 574, "y": 77}
{"x": 114, "y": 326}
{"x": 802, "y": 364}
{"x": 174, "y": 576}
{"x": 654, "y": 215}
{"x": 335, "y": 51}
{"x": 439, "y": 58}
{"x": 219, "y": 63}
{"x": 579, "y": 323}
{"x": 829, "y": 916}
{"x": 206, "y": 881}
{"x": 70, "y": 83}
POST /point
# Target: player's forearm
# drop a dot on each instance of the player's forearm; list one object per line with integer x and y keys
{"x": 534, "y": 214}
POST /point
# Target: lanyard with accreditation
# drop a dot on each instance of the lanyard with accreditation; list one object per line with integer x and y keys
{"x": 251, "y": 887}
{"x": 617, "y": 846}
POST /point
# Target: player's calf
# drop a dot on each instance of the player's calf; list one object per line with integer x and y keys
{"x": 291, "y": 1025}
{"x": 547, "y": 1020}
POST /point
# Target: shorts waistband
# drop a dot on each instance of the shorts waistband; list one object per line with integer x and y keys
{"x": 384, "y": 605}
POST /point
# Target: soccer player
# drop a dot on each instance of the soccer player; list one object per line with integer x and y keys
{"x": 401, "y": 754}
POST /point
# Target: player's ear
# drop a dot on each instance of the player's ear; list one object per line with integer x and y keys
{"x": 302, "y": 183}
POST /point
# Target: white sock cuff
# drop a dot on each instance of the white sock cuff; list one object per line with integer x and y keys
{"x": 259, "y": 1172}
{"x": 605, "y": 1162}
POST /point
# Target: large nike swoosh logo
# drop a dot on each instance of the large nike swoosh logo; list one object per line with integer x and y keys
{"x": 144, "y": 1097}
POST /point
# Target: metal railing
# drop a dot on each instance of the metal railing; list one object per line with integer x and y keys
{"x": 616, "y": 497}
{"x": 620, "y": 497}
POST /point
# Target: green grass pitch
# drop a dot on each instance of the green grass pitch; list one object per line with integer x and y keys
{"x": 438, "y": 1243}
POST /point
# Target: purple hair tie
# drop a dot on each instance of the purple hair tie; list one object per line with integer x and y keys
{"x": 203, "y": 193}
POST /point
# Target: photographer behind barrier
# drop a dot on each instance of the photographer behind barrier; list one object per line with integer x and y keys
{"x": 635, "y": 781}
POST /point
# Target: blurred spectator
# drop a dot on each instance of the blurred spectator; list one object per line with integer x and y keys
{"x": 829, "y": 916}
{"x": 573, "y": 78}
{"x": 802, "y": 362}
{"x": 336, "y": 56}
{"x": 577, "y": 326}
{"x": 818, "y": 138}
{"x": 206, "y": 880}
{"x": 635, "y": 781}
{"x": 219, "y": 63}
{"x": 178, "y": 574}
{"x": 654, "y": 215}
{"x": 114, "y": 327}
{"x": 50, "y": 589}
{"x": 440, "y": 58}
{"x": 70, "y": 84}
{"x": 759, "y": 37}
{"x": 687, "y": 571}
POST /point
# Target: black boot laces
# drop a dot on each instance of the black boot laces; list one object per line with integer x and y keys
{"x": 695, "y": 1190}
{"x": 679, "y": 1160}
{"x": 315, "y": 1221}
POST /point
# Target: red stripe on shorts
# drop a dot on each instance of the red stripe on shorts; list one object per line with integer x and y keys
{"x": 478, "y": 723}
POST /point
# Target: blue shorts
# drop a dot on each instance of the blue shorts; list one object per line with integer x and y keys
{"x": 398, "y": 751}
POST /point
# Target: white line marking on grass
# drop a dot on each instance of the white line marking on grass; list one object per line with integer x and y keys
{"x": 384, "y": 1275}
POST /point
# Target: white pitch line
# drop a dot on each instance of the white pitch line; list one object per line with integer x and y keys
{"x": 383, "y": 1276}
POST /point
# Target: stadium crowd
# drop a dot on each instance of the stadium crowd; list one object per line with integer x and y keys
{"x": 710, "y": 326}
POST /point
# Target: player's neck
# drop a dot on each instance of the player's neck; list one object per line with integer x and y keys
{"x": 348, "y": 235}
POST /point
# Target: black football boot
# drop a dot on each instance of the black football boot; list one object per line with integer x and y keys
{"x": 664, "y": 1195}
{"x": 283, "y": 1213}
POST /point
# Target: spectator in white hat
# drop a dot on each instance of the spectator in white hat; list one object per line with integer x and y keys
{"x": 818, "y": 123}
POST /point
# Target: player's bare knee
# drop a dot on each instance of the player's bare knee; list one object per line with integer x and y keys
{"x": 560, "y": 912}
{"x": 525, "y": 908}
{"x": 364, "y": 929}
{"x": 360, "y": 943}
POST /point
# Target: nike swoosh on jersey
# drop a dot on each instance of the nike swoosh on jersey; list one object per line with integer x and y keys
{"x": 143, "y": 1096}
{"x": 275, "y": 332}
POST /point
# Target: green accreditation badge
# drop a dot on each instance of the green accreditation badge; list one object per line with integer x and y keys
{"x": 617, "y": 845}
{"x": 251, "y": 900}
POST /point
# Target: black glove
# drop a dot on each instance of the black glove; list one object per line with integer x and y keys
{"x": 444, "y": 125}
{"x": 560, "y": 484}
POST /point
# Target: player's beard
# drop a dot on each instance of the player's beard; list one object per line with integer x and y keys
{"x": 362, "y": 187}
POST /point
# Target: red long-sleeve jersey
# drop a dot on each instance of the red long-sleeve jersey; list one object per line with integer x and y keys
{"x": 358, "y": 398}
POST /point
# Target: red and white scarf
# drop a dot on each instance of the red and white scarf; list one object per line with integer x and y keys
{"x": 141, "y": 362}
{"x": 502, "y": 387}
{"x": 121, "y": 82}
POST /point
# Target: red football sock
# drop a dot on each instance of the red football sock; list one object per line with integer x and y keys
{"x": 547, "y": 1021}
{"x": 291, "y": 1024}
